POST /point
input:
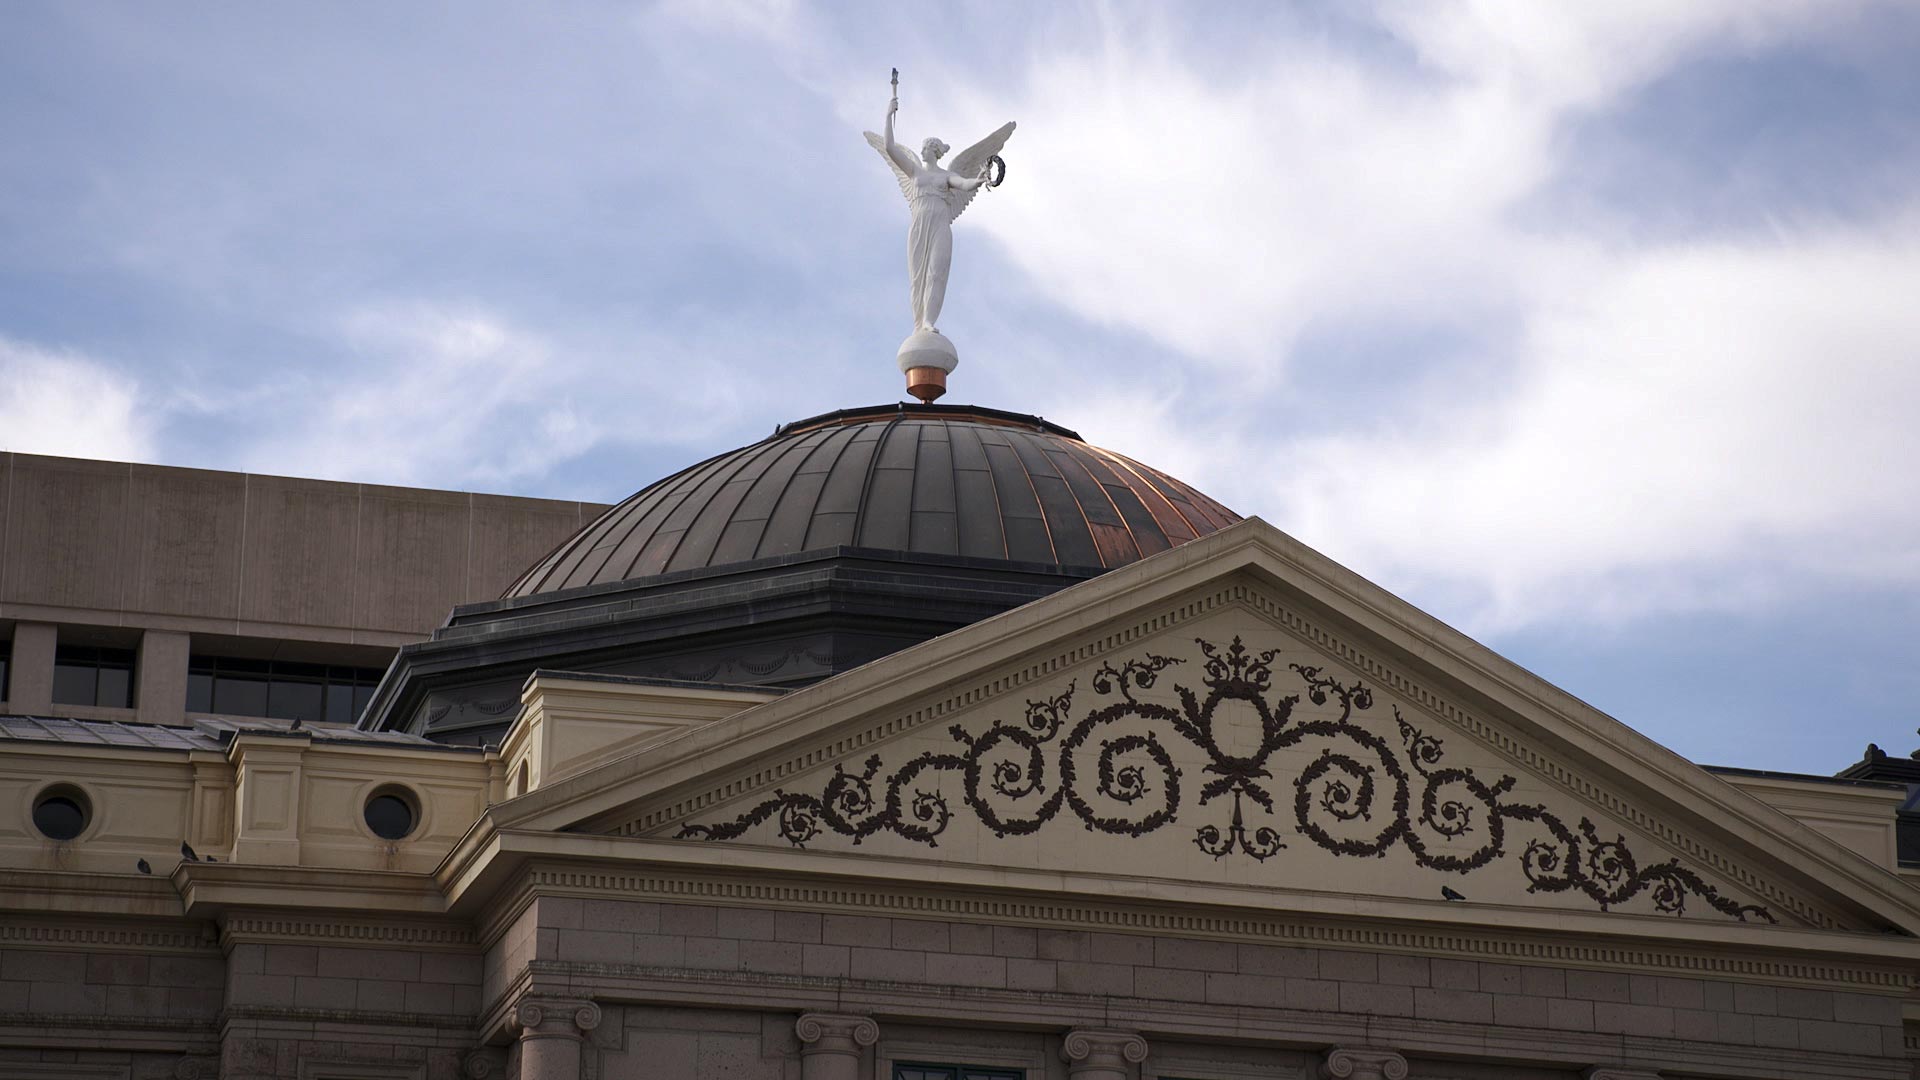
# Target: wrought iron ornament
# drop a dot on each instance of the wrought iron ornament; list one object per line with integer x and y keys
{"x": 1364, "y": 795}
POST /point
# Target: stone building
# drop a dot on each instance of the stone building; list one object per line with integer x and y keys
{"x": 910, "y": 743}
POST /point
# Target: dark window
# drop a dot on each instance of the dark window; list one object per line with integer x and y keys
{"x": 954, "y": 1072}
{"x": 389, "y": 815}
{"x": 279, "y": 689}
{"x": 60, "y": 813}
{"x": 83, "y": 675}
{"x": 6, "y": 651}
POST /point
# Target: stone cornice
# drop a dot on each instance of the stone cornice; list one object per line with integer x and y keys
{"x": 62, "y": 891}
{"x": 679, "y": 872}
{"x": 209, "y": 889}
{"x": 324, "y": 928}
{"x": 453, "y": 1022}
{"x": 92, "y": 933}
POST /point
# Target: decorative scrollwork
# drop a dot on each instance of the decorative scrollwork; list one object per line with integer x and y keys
{"x": 1361, "y": 795}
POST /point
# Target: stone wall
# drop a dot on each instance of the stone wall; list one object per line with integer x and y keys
{"x": 1178, "y": 993}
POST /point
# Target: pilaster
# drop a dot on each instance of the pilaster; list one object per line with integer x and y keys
{"x": 1103, "y": 1054}
{"x": 1363, "y": 1063}
{"x": 832, "y": 1044}
{"x": 551, "y": 1033}
{"x": 30, "y": 668}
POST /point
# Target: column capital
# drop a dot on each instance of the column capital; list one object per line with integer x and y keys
{"x": 835, "y": 1033}
{"x": 1099, "y": 1053}
{"x": 1616, "y": 1072}
{"x": 555, "y": 1018}
{"x": 1363, "y": 1063}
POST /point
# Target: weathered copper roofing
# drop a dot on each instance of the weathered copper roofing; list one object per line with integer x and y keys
{"x": 929, "y": 479}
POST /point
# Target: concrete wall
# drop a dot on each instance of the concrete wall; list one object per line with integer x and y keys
{"x": 113, "y": 544}
{"x": 171, "y": 561}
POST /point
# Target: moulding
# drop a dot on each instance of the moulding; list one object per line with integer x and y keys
{"x": 459, "y": 1023}
{"x": 104, "y": 935}
{"x": 447, "y": 936}
{"x": 1639, "y": 944}
{"x": 209, "y": 889}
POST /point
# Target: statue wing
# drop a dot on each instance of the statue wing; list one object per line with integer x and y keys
{"x": 900, "y": 174}
{"x": 968, "y": 163}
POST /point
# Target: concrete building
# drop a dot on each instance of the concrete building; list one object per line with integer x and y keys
{"x": 119, "y": 583}
{"x": 911, "y": 743}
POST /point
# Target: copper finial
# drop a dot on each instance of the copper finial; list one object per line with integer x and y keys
{"x": 926, "y": 383}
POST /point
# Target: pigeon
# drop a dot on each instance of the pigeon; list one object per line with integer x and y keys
{"x": 295, "y": 726}
{"x": 212, "y": 859}
{"x": 143, "y": 867}
{"x": 1447, "y": 893}
{"x": 187, "y": 852}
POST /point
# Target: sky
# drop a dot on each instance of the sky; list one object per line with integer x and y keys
{"x": 1590, "y": 329}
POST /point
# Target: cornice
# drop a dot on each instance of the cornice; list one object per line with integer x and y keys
{"x": 64, "y": 891}
{"x": 209, "y": 889}
{"x": 456, "y": 1022}
{"x": 90, "y": 933}
{"x": 445, "y": 935}
{"x": 676, "y": 872}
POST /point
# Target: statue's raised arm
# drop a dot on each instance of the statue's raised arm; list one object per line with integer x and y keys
{"x": 936, "y": 196}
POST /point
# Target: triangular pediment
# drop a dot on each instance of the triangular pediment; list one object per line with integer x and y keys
{"x": 1239, "y": 713}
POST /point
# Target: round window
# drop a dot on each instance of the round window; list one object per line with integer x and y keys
{"x": 61, "y": 813}
{"x": 390, "y": 814}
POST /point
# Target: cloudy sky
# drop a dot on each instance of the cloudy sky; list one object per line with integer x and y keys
{"x": 1589, "y": 328}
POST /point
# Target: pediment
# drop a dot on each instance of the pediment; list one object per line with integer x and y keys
{"x": 1228, "y": 719}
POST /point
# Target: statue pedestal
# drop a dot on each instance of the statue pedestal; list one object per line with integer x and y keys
{"x": 925, "y": 358}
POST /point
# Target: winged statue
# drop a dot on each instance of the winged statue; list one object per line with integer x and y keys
{"x": 937, "y": 196}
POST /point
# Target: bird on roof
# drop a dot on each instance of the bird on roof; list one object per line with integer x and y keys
{"x": 142, "y": 866}
{"x": 1447, "y": 893}
{"x": 295, "y": 726}
{"x": 187, "y": 852}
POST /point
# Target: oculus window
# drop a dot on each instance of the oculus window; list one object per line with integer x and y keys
{"x": 83, "y": 675}
{"x": 390, "y": 813}
{"x": 278, "y": 689}
{"x": 61, "y": 812}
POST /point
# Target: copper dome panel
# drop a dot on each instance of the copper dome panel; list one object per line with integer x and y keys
{"x": 933, "y": 480}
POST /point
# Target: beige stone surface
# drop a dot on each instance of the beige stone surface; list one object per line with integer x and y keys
{"x": 567, "y": 725}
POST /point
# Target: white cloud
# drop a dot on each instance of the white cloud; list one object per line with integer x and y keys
{"x": 69, "y": 405}
{"x": 1699, "y": 426}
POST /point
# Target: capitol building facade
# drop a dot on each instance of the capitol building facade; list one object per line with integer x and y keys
{"x": 913, "y": 742}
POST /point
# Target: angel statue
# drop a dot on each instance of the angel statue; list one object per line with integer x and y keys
{"x": 937, "y": 196}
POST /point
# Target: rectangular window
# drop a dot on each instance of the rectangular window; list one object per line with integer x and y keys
{"x": 278, "y": 689}
{"x": 6, "y": 652}
{"x": 83, "y": 675}
{"x": 914, "y": 1071}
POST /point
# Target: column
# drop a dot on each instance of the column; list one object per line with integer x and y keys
{"x": 30, "y": 670}
{"x": 551, "y": 1032}
{"x": 1102, "y": 1054}
{"x": 160, "y": 694}
{"x": 1363, "y": 1063}
{"x": 831, "y": 1044}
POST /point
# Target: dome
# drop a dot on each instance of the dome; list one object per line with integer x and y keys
{"x": 924, "y": 479}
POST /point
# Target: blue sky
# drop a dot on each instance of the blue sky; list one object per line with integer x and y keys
{"x": 1590, "y": 329}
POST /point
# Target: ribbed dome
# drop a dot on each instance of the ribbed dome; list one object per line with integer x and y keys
{"x": 933, "y": 480}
